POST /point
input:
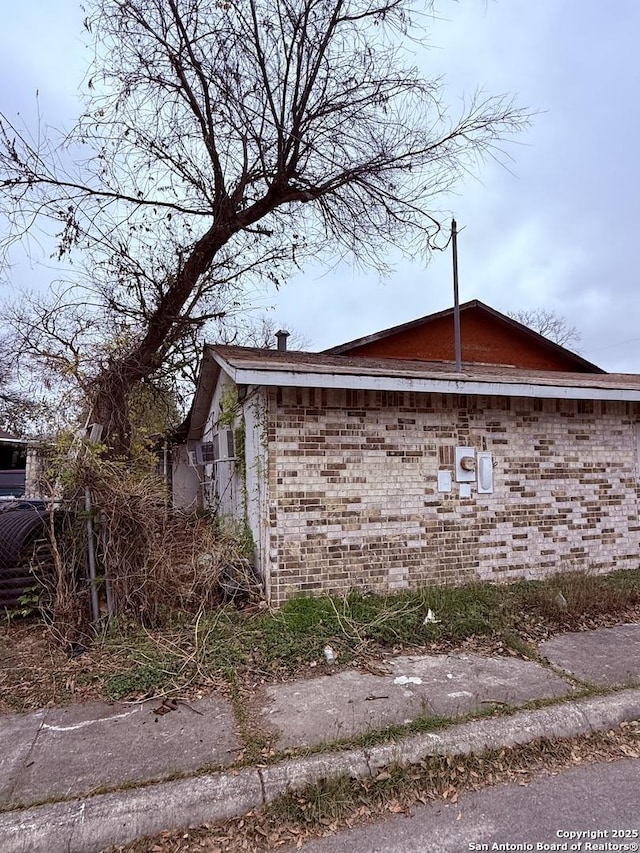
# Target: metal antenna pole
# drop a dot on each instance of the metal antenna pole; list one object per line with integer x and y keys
{"x": 456, "y": 299}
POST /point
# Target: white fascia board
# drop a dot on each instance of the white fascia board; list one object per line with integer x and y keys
{"x": 244, "y": 376}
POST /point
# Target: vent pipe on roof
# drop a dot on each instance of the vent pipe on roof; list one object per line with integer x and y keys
{"x": 456, "y": 300}
{"x": 282, "y": 336}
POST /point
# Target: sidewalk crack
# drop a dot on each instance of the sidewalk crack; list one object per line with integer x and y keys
{"x": 367, "y": 757}
{"x": 263, "y": 789}
{"x": 25, "y": 763}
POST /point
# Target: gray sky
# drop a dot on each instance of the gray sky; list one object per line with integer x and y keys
{"x": 556, "y": 230}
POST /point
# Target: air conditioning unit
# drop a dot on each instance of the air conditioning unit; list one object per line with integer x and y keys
{"x": 221, "y": 448}
{"x": 208, "y": 451}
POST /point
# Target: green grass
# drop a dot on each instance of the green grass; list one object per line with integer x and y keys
{"x": 145, "y": 679}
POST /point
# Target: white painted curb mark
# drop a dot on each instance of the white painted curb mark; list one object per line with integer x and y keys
{"x": 88, "y": 722}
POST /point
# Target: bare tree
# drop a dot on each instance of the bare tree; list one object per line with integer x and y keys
{"x": 21, "y": 413}
{"x": 549, "y": 324}
{"x": 225, "y": 142}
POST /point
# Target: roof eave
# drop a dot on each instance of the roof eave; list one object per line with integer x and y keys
{"x": 207, "y": 379}
{"x": 438, "y": 385}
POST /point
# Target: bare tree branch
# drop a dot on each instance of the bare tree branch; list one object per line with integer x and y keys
{"x": 549, "y": 324}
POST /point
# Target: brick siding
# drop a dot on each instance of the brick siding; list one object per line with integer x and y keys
{"x": 353, "y": 497}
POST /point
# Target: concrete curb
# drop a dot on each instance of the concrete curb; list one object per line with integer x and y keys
{"x": 91, "y": 824}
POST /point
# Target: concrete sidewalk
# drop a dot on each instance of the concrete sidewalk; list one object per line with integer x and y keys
{"x": 105, "y": 771}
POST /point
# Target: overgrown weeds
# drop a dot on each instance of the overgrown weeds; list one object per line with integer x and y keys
{"x": 222, "y": 645}
{"x": 148, "y": 559}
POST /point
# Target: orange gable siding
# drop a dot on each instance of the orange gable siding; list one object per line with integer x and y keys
{"x": 485, "y": 340}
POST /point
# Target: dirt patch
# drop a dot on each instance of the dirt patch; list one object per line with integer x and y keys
{"x": 37, "y": 672}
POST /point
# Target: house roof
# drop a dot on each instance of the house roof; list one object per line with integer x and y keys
{"x": 11, "y": 439}
{"x": 251, "y": 366}
{"x": 430, "y": 337}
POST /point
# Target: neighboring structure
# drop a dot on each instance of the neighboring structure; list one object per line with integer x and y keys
{"x": 394, "y": 472}
{"x": 13, "y": 465}
{"x": 19, "y": 467}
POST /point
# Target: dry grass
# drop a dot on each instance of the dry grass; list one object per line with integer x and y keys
{"x": 328, "y": 807}
{"x": 129, "y": 662}
{"x": 36, "y": 670}
{"x": 150, "y": 560}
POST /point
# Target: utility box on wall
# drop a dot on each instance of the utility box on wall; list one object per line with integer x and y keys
{"x": 465, "y": 466}
{"x": 473, "y": 466}
{"x": 484, "y": 464}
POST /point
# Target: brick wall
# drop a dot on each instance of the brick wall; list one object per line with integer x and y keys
{"x": 353, "y": 494}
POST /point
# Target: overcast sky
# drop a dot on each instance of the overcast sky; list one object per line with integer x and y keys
{"x": 557, "y": 230}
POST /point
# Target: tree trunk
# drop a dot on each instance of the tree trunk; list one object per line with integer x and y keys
{"x": 111, "y": 410}
{"x": 115, "y": 383}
